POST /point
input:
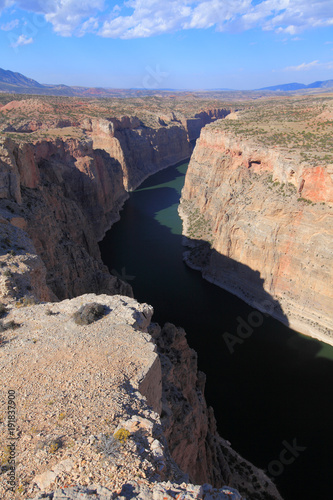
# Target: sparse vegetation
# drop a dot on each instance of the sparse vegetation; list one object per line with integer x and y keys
{"x": 5, "y": 455}
{"x": 122, "y": 435}
{"x": 297, "y": 125}
{"x": 198, "y": 227}
{"x": 54, "y": 445}
{"x": 305, "y": 200}
{"x": 108, "y": 445}
{"x": 3, "y": 310}
{"x": 26, "y": 301}
{"x": 89, "y": 313}
{"x": 49, "y": 312}
{"x": 11, "y": 325}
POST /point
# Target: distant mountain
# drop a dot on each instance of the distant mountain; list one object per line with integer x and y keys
{"x": 300, "y": 86}
{"x": 16, "y": 83}
{"x": 321, "y": 85}
{"x": 11, "y": 78}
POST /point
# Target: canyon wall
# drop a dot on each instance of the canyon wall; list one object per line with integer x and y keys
{"x": 69, "y": 190}
{"x": 194, "y": 125}
{"x": 66, "y": 195}
{"x": 258, "y": 223}
{"x": 190, "y": 427}
{"x": 140, "y": 151}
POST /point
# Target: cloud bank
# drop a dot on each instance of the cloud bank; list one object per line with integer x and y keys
{"x": 146, "y": 18}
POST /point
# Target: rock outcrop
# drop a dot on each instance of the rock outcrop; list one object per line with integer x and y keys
{"x": 67, "y": 195}
{"x": 140, "y": 150}
{"x": 190, "y": 427}
{"x": 90, "y": 400}
{"x": 259, "y": 222}
{"x": 194, "y": 125}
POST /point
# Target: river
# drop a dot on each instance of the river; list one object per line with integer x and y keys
{"x": 274, "y": 391}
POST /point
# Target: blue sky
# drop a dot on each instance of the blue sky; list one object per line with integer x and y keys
{"x": 185, "y": 44}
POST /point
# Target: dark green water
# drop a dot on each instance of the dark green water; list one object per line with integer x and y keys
{"x": 277, "y": 385}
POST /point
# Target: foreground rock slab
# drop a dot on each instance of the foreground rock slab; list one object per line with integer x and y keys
{"x": 89, "y": 391}
{"x": 160, "y": 491}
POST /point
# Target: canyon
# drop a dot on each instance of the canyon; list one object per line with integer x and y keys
{"x": 63, "y": 183}
{"x": 59, "y": 194}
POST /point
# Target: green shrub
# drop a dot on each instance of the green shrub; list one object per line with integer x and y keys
{"x": 305, "y": 200}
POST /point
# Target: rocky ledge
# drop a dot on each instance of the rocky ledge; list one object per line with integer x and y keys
{"x": 104, "y": 397}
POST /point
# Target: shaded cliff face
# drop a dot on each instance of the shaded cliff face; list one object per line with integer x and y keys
{"x": 194, "y": 125}
{"x": 140, "y": 150}
{"x": 190, "y": 427}
{"x": 67, "y": 194}
{"x": 268, "y": 243}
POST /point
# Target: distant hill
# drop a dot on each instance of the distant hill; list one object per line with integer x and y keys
{"x": 11, "y": 78}
{"x": 300, "y": 86}
{"x": 16, "y": 83}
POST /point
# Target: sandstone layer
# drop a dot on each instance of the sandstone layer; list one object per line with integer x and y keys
{"x": 259, "y": 222}
{"x": 77, "y": 384}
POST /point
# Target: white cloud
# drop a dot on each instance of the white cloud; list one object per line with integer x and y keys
{"x": 67, "y": 16}
{"x": 151, "y": 17}
{"x": 4, "y": 4}
{"x": 10, "y": 25}
{"x": 310, "y": 65}
{"x": 145, "y": 18}
{"x": 89, "y": 26}
{"x": 22, "y": 40}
